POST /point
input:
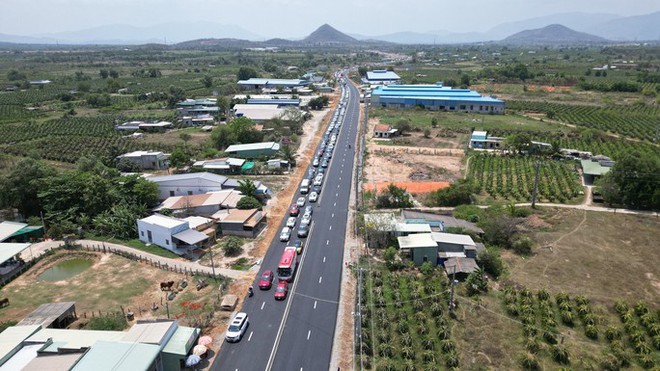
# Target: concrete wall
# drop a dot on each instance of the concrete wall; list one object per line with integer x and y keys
{"x": 160, "y": 236}
{"x": 431, "y": 253}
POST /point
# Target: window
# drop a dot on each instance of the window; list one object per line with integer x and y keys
{"x": 142, "y": 233}
{"x": 189, "y": 193}
{"x": 167, "y": 242}
{"x": 171, "y": 193}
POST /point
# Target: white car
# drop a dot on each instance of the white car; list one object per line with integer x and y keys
{"x": 306, "y": 219}
{"x": 315, "y": 163}
{"x": 285, "y": 234}
{"x": 318, "y": 180}
{"x": 300, "y": 202}
{"x": 291, "y": 222}
{"x": 313, "y": 197}
{"x": 237, "y": 327}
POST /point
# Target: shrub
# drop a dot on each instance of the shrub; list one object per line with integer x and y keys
{"x": 529, "y": 362}
{"x": 523, "y": 245}
{"x": 248, "y": 202}
{"x": 491, "y": 262}
{"x": 110, "y": 322}
{"x": 560, "y": 354}
{"x": 232, "y": 246}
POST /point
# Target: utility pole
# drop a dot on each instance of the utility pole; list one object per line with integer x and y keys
{"x": 212, "y": 264}
{"x": 451, "y": 295}
{"x": 536, "y": 183}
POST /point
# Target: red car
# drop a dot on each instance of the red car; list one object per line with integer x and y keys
{"x": 294, "y": 210}
{"x": 281, "y": 290}
{"x": 266, "y": 280}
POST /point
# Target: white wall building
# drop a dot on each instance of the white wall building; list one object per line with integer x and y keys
{"x": 188, "y": 184}
{"x": 169, "y": 233}
{"x": 148, "y": 159}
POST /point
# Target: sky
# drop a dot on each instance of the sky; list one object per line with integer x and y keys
{"x": 295, "y": 18}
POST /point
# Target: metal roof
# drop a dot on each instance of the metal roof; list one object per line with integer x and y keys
{"x": 413, "y": 228}
{"x": 53, "y": 362}
{"x": 8, "y": 250}
{"x": 253, "y": 146}
{"x": 191, "y": 236}
{"x": 220, "y": 179}
{"x": 376, "y": 75}
{"x": 12, "y": 337}
{"x": 452, "y": 238}
{"x": 74, "y": 339}
{"x": 163, "y": 221}
{"x": 180, "y": 343}
{"x": 590, "y": 167}
{"x": 48, "y": 313}
{"x": 430, "y": 92}
{"x": 461, "y": 265}
{"x": 118, "y": 356}
{"x": 9, "y": 228}
{"x": 274, "y": 82}
{"x": 239, "y": 216}
{"x": 417, "y": 240}
{"x": 150, "y": 332}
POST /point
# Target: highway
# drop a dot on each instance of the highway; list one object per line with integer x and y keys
{"x": 297, "y": 333}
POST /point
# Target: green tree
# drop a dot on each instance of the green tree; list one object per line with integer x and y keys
{"x": 178, "y": 157}
{"x": 14, "y": 75}
{"x": 476, "y": 282}
{"x": 427, "y": 133}
{"x": 109, "y": 322}
{"x": 247, "y": 188}
{"x": 403, "y": 126}
{"x": 224, "y": 104}
{"x": 393, "y": 197}
{"x": 104, "y": 73}
{"x": 246, "y": 203}
{"x": 127, "y": 166}
{"x": 491, "y": 262}
{"x": 458, "y": 193}
{"x": 119, "y": 221}
{"x": 22, "y": 184}
{"x": 465, "y": 80}
{"x": 633, "y": 181}
{"x": 185, "y": 137}
{"x": 287, "y": 154}
{"x": 238, "y": 130}
{"x": 232, "y": 246}
{"x": 434, "y": 122}
{"x": 519, "y": 142}
{"x": 246, "y": 73}
{"x": 207, "y": 81}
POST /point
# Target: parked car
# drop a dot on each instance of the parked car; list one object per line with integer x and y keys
{"x": 266, "y": 280}
{"x": 300, "y": 202}
{"x": 313, "y": 197}
{"x": 237, "y": 327}
{"x": 291, "y": 222}
{"x": 285, "y": 234}
{"x": 293, "y": 211}
{"x": 281, "y": 290}
{"x": 303, "y": 231}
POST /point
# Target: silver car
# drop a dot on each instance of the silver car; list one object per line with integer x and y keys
{"x": 237, "y": 327}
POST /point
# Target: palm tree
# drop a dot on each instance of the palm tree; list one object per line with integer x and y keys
{"x": 428, "y": 356}
{"x": 406, "y": 340}
{"x": 409, "y": 365}
{"x": 560, "y": 354}
{"x": 451, "y": 359}
{"x": 447, "y": 345}
{"x": 247, "y": 187}
{"x": 436, "y": 308}
{"x": 385, "y": 349}
{"x": 408, "y": 352}
{"x": 428, "y": 343}
{"x": 287, "y": 155}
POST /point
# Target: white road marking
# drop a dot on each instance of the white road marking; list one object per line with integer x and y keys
{"x": 327, "y": 242}
{"x": 330, "y": 228}
{"x": 324, "y": 259}
{"x": 315, "y": 301}
{"x": 262, "y": 305}
{"x": 320, "y": 279}
{"x": 250, "y": 337}
{"x": 333, "y": 215}
{"x": 339, "y": 178}
{"x": 309, "y": 333}
{"x": 335, "y": 204}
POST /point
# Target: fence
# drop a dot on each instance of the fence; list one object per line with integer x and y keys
{"x": 418, "y": 151}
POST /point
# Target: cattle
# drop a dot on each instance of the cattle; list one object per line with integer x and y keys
{"x": 166, "y": 286}
{"x": 4, "y": 302}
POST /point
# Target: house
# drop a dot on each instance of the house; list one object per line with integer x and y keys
{"x": 279, "y": 102}
{"x": 188, "y": 184}
{"x": 595, "y": 167}
{"x": 225, "y": 165}
{"x": 205, "y": 204}
{"x": 480, "y": 140}
{"x": 452, "y": 245}
{"x": 170, "y": 233}
{"x": 421, "y": 248}
{"x": 40, "y": 82}
{"x": 436, "y": 98}
{"x": 197, "y": 107}
{"x": 154, "y": 127}
{"x": 384, "y": 131}
{"x": 200, "y": 120}
{"x": 10, "y": 266}
{"x": 243, "y": 223}
{"x": 158, "y": 345}
{"x": 265, "y": 83}
{"x": 155, "y": 160}
{"x": 437, "y": 247}
{"x": 258, "y": 112}
{"x": 253, "y": 150}
{"x": 381, "y": 77}
{"x": 439, "y": 223}
{"x": 384, "y": 226}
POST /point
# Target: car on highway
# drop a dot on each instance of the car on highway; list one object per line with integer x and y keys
{"x": 317, "y": 189}
{"x": 291, "y": 222}
{"x": 281, "y": 290}
{"x": 324, "y": 164}
{"x": 321, "y": 171}
{"x": 237, "y": 327}
{"x": 266, "y": 280}
{"x": 317, "y": 181}
{"x": 319, "y": 153}
{"x": 306, "y": 219}
{"x": 294, "y": 210}
{"x": 313, "y": 197}
{"x": 303, "y": 231}
{"x": 315, "y": 163}
{"x": 301, "y": 201}
{"x": 299, "y": 246}
{"x": 309, "y": 209}
{"x": 285, "y": 234}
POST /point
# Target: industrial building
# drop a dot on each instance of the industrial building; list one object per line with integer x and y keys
{"x": 253, "y": 150}
{"x": 435, "y": 97}
{"x": 259, "y": 83}
{"x": 381, "y": 77}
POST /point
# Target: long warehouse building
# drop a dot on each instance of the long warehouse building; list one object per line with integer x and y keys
{"x": 435, "y": 97}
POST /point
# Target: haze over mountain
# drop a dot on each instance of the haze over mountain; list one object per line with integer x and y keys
{"x": 554, "y": 34}
{"x": 642, "y": 27}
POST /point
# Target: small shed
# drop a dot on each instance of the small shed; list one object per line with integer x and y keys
{"x": 421, "y": 247}
{"x": 229, "y": 302}
{"x": 460, "y": 267}
{"x": 53, "y": 315}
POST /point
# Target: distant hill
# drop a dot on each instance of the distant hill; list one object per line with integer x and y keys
{"x": 554, "y": 34}
{"x": 635, "y": 28}
{"x": 327, "y": 34}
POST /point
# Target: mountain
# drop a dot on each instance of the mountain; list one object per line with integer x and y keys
{"x": 554, "y": 34}
{"x": 576, "y": 21}
{"x": 15, "y": 39}
{"x": 327, "y": 34}
{"x": 636, "y": 28}
{"x": 127, "y": 34}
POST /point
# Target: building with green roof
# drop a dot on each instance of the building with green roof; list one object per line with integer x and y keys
{"x": 120, "y": 356}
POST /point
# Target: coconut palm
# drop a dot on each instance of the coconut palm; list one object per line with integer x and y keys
{"x": 428, "y": 343}
{"x": 549, "y": 336}
{"x": 451, "y": 359}
{"x": 529, "y": 362}
{"x": 560, "y": 354}
{"x": 543, "y": 295}
{"x": 406, "y": 340}
{"x": 640, "y": 308}
{"x": 418, "y": 305}
{"x": 591, "y": 332}
{"x": 436, "y": 308}
{"x": 447, "y": 345}
{"x": 408, "y": 352}
{"x": 409, "y": 365}
{"x": 612, "y": 333}
{"x": 385, "y": 349}
{"x": 402, "y": 327}
{"x": 428, "y": 356}
{"x": 621, "y": 307}
{"x": 443, "y": 332}
{"x": 423, "y": 328}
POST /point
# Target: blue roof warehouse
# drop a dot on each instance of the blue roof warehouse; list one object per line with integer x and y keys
{"x": 435, "y": 97}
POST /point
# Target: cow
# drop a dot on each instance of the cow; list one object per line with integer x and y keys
{"x": 166, "y": 286}
{"x": 4, "y": 302}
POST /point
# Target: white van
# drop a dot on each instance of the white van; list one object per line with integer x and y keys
{"x": 304, "y": 186}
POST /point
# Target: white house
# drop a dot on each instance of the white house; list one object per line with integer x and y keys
{"x": 170, "y": 233}
{"x": 188, "y": 184}
{"x": 148, "y": 159}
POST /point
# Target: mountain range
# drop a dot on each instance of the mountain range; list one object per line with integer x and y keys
{"x": 554, "y": 34}
{"x": 606, "y": 26}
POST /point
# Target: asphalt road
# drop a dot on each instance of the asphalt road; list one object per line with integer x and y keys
{"x": 297, "y": 333}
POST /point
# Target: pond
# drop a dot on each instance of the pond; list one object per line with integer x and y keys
{"x": 65, "y": 269}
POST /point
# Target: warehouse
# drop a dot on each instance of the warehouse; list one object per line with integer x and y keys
{"x": 435, "y": 97}
{"x": 381, "y": 77}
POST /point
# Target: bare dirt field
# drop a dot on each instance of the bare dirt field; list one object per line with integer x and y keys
{"x": 438, "y": 160}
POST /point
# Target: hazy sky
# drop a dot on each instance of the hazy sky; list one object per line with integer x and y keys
{"x": 290, "y": 18}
